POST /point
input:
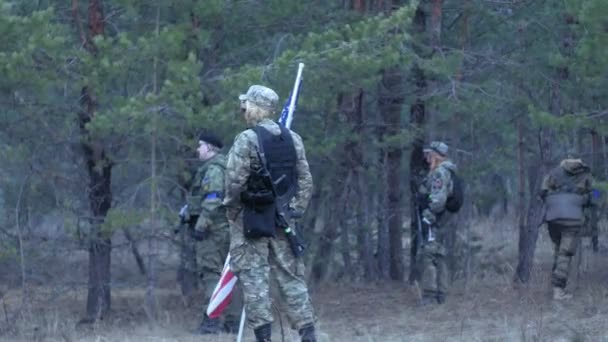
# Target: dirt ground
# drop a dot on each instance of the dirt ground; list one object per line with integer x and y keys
{"x": 488, "y": 308}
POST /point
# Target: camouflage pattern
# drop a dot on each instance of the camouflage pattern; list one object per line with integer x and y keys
{"x": 438, "y": 185}
{"x": 571, "y": 176}
{"x": 439, "y": 147}
{"x": 255, "y": 261}
{"x": 565, "y": 241}
{"x": 261, "y": 96}
{"x": 208, "y": 188}
{"x": 434, "y": 278}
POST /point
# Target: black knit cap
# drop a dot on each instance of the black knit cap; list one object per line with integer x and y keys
{"x": 210, "y": 138}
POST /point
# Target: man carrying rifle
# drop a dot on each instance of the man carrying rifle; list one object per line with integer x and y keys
{"x": 432, "y": 201}
{"x": 260, "y": 210}
{"x": 206, "y": 219}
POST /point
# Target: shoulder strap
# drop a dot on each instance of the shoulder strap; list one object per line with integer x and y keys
{"x": 257, "y": 129}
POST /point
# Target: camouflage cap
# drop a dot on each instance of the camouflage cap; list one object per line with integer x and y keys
{"x": 439, "y": 147}
{"x": 261, "y": 96}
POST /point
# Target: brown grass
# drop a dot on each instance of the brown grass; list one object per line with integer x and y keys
{"x": 488, "y": 308}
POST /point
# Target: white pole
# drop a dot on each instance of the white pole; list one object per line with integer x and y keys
{"x": 239, "y": 337}
{"x": 294, "y": 96}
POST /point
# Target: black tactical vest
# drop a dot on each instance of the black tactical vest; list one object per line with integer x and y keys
{"x": 280, "y": 154}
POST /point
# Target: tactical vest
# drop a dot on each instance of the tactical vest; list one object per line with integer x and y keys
{"x": 280, "y": 154}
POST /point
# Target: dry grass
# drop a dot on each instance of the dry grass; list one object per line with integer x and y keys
{"x": 488, "y": 308}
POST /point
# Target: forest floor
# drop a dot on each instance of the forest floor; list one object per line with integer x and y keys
{"x": 488, "y": 308}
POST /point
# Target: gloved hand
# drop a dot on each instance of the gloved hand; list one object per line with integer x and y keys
{"x": 428, "y": 217}
{"x": 184, "y": 215}
{"x": 197, "y": 235}
{"x": 202, "y": 224}
{"x": 295, "y": 214}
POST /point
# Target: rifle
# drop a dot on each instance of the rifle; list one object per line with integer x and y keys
{"x": 188, "y": 222}
{"x": 422, "y": 224}
{"x": 281, "y": 217}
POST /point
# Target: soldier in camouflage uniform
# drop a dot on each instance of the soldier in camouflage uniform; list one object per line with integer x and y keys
{"x": 435, "y": 191}
{"x": 256, "y": 260}
{"x": 566, "y": 191}
{"x": 211, "y": 228}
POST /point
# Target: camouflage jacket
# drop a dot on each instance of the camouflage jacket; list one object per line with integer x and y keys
{"x": 438, "y": 185}
{"x": 207, "y": 192}
{"x": 571, "y": 176}
{"x": 243, "y": 158}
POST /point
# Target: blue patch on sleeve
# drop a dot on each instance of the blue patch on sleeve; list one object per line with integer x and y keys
{"x": 206, "y": 180}
{"x": 212, "y": 195}
{"x": 596, "y": 193}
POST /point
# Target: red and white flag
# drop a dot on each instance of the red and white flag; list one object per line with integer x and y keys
{"x": 223, "y": 291}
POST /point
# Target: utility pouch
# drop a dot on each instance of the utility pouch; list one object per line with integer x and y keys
{"x": 259, "y": 221}
{"x": 257, "y": 198}
{"x": 564, "y": 206}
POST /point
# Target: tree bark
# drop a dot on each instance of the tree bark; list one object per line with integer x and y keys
{"x": 391, "y": 100}
{"x": 366, "y": 257}
{"x": 380, "y": 210}
{"x": 99, "y": 169}
{"x": 521, "y": 187}
{"x": 418, "y": 168}
{"x": 528, "y": 233}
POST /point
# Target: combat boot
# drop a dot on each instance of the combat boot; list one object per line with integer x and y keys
{"x": 307, "y": 333}
{"x": 262, "y": 333}
{"x": 440, "y": 298}
{"x": 428, "y": 298}
{"x": 210, "y": 326}
{"x": 561, "y": 294}
{"x": 231, "y": 326}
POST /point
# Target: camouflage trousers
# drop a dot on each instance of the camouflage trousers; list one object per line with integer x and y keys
{"x": 566, "y": 240}
{"x": 255, "y": 262}
{"x": 434, "y": 277}
{"x": 211, "y": 255}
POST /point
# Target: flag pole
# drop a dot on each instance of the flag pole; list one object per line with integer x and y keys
{"x": 239, "y": 337}
{"x": 294, "y": 95}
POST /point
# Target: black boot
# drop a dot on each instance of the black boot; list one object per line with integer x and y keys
{"x": 428, "y": 298}
{"x": 231, "y": 326}
{"x": 262, "y": 333}
{"x": 308, "y": 333}
{"x": 210, "y": 326}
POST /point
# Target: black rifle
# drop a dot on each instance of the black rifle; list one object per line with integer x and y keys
{"x": 188, "y": 222}
{"x": 282, "y": 217}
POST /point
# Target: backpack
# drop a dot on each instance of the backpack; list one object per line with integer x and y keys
{"x": 456, "y": 198}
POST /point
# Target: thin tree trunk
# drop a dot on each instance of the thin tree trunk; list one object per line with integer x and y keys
{"x": 528, "y": 234}
{"x": 99, "y": 169}
{"x": 391, "y": 99}
{"x": 151, "y": 305}
{"x": 380, "y": 208}
{"x": 136, "y": 254}
{"x": 521, "y": 188}
{"x": 597, "y": 162}
{"x": 366, "y": 258}
{"x": 418, "y": 167}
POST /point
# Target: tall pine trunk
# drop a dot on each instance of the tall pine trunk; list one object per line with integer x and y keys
{"x": 418, "y": 167}
{"x": 99, "y": 170}
{"x": 391, "y": 99}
